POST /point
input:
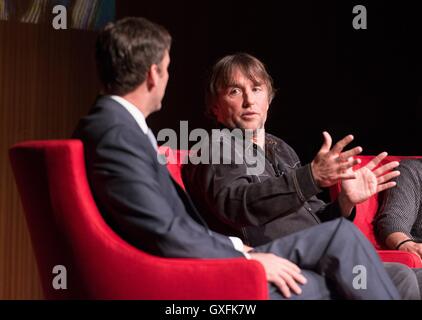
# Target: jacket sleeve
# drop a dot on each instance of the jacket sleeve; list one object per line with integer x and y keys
{"x": 329, "y": 211}
{"x": 239, "y": 199}
{"x": 124, "y": 180}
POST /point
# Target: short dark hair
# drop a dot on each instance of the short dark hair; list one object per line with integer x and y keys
{"x": 125, "y": 51}
{"x": 222, "y": 74}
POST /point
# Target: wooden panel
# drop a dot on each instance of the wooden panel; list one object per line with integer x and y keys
{"x": 47, "y": 82}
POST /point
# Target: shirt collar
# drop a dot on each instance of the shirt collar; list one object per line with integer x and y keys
{"x": 134, "y": 111}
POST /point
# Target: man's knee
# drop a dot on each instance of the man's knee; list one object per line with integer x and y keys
{"x": 404, "y": 279}
{"x": 344, "y": 227}
{"x": 315, "y": 289}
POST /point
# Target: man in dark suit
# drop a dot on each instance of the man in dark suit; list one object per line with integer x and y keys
{"x": 142, "y": 204}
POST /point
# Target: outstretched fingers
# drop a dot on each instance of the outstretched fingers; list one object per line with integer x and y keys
{"x": 339, "y": 146}
{"x": 347, "y": 176}
{"x": 345, "y": 171}
{"x": 376, "y": 160}
{"x": 385, "y": 168}
{"x": 387, "y": 177}
{"x": 385, "y": 186}
{"x": 326, "y": 145}
{"x": 344, "y": 156}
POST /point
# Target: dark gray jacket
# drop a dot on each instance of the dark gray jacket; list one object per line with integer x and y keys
{"x": 258, "y": 208}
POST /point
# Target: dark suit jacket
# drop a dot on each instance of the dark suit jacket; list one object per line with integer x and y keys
{"x": 135, "y": 193}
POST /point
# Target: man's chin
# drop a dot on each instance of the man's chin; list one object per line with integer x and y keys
{"x": 158, "y": 108}
{"x": 249, "y": 125}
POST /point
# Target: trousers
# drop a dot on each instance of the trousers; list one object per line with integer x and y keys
{"x": 338, "y": 262}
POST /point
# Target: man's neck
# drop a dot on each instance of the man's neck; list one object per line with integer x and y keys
{"x": 259, "y": 138}
{"x": 139, "y": 100}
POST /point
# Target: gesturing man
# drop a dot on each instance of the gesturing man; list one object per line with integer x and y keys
{"x": 138, "y": 199}
{"x": 280, "y": 200}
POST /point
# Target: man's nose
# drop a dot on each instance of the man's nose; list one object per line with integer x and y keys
{"x": 248, "y": 99}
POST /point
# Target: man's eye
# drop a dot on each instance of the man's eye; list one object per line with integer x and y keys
{"x": 234, "y": 91}
{"x": 257, "y": 89}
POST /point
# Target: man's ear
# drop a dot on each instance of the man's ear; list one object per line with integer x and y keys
{"x": 152, "y": 77}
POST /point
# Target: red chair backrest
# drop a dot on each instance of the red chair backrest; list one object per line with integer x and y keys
{"x": 366, "y": 211}
{"x": 67, "y": 229}
{"x": 175, "y": 159}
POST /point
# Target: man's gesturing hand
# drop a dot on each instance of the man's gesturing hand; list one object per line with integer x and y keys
{"x": 281, "y": 272}
{"x": 331, "y": 165}
{"x": 370, "y": 179}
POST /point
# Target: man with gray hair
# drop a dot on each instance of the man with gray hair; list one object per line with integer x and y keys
{"x": 142, "y": 204}
{"x": 281, "y": 200}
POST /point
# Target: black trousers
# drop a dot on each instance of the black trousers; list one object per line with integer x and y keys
{"x": 338, "y": 262}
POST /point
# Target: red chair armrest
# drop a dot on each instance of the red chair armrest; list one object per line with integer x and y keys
{"x": 407, "y": 258}
{"x": 224, "y": 279}
{"x": 182, "y": 279}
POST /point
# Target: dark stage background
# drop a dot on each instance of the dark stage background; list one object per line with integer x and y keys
{"x": 329, "y": 75}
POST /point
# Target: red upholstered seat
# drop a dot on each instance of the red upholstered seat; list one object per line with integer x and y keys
{"x": 67, "y": 229}
{"x": 175, "y": 160}
{"x": 365, "y": 213}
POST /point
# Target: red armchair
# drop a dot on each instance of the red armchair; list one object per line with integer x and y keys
{"x": 174, "y": 162}
{"x": 365, "y": 213}
{"x": 67, "y": 229}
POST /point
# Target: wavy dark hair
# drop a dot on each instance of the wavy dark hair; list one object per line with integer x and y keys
{"x": 221, "y": 77}
{"x": 125, "y": 51}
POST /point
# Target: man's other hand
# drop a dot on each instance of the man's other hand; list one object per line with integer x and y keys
{"x": 281, "y": 272}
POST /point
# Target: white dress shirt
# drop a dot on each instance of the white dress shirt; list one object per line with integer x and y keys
{"x": 139, "y": 118}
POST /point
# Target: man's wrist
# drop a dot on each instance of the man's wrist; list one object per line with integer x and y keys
{"x": 402, "y": 243}
{"x": 394, "y": 238}
{"x": 305, "y": 185}
{"x": 247, "y": 255}
{"x": 314, "y": 176}
{"x": 346, "y": 206}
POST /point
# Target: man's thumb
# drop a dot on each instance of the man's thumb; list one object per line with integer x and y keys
{"x": 326, "y": 146}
